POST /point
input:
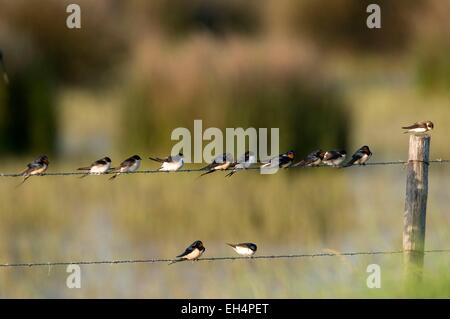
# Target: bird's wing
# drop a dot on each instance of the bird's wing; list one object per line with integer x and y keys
{"x": 34, "y": 164}
{"x": 127, "y": 162}
{"x": 301, "y": 163}
{"x": 352, "y": 161}
{"x": 415, "y": 125}
{"x": 157, "y": 159}
{"x": 223, "y": 158}
{"x": 99, "y": 162}
{"x": 31, "y": 167}
{"x": 311, "y": 158}
{"x": 26, "y": 171}
{"x": 188, "y": 250}
{"x": 358, "y": 154}
{"x": 284, "y": 159}
{"x": 209, "y": 166}
{"x": 248, "y": 245}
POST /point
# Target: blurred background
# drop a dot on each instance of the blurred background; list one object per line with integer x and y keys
{"x": 138, "y": 69}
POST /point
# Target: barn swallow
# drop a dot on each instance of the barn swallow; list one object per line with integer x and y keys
{"x": 220, "y": 163}
{"x": 244, "y": 249}
{"x": 129, "y": 165}
{"x": 36, "y": 167}
{"x": 193, "y": 252}
{"x": 170, "y": 163}
{"x": 2, "y": 63}
{"x": 283, "y": 160}
{"x": 334, "y": 158}
{"x": 98, "y": 167}
{"x": 313, "y": 159}
{"x": 419, "y": 127}
{"x": 244, "y": 162}
{"x": 360, "y": 157}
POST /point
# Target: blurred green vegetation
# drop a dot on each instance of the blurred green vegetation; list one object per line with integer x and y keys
{"x": 315, "y": 210}
{"x": 138, "y": 69}
{"x": 30, "y": 125}
{"x": 230, "y": 63}
{"x": 433, "y": 70}
{"x": 339, "y": 24}
{"x": 217, "y": 17}
{"x": 300, "y": 111}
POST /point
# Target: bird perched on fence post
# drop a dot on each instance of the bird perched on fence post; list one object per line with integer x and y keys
{"x": 98, "y": 167}
{"x": 131, "y": 164}
{"x": 36, "y": 167}
{"x": 170, "y": 163}
{"x": 193, "y": 252}
{"x": 360, "y": 157}
{"x": 419, "y": 127}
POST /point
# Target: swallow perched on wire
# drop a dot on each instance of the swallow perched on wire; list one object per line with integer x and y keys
{"x": 98, "y": 167}
{"x": 419, "y": 127}
{"x": 313, "y": 159}
{"x": 129, "y": 165}
{"x": 360, "y": 157}
{"x": 283, "y": 160}
{"x": 334, "y": 158}
{"x": 193, "y": 252}
{"x": 244, "y": 162}
{"x": 220, "y": 163}
{"x": 244, "y": 249}
{"x": 2, "y": 63}
{"x": 170, "y": 163}
{"x": 36, "y": 167}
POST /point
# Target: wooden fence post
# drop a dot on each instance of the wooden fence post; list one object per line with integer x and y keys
{"x": 416, "y": 206}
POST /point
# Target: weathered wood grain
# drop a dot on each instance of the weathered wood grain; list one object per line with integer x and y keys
{"x": 416, "y": 205}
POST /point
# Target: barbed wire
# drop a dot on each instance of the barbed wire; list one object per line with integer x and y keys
{"x": 193, "y": 170}
{"x": 165, "y": 260}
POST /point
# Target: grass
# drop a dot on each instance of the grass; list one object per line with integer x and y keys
{"x": 144, "y": 216}
{"x": 124, "y": 94}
